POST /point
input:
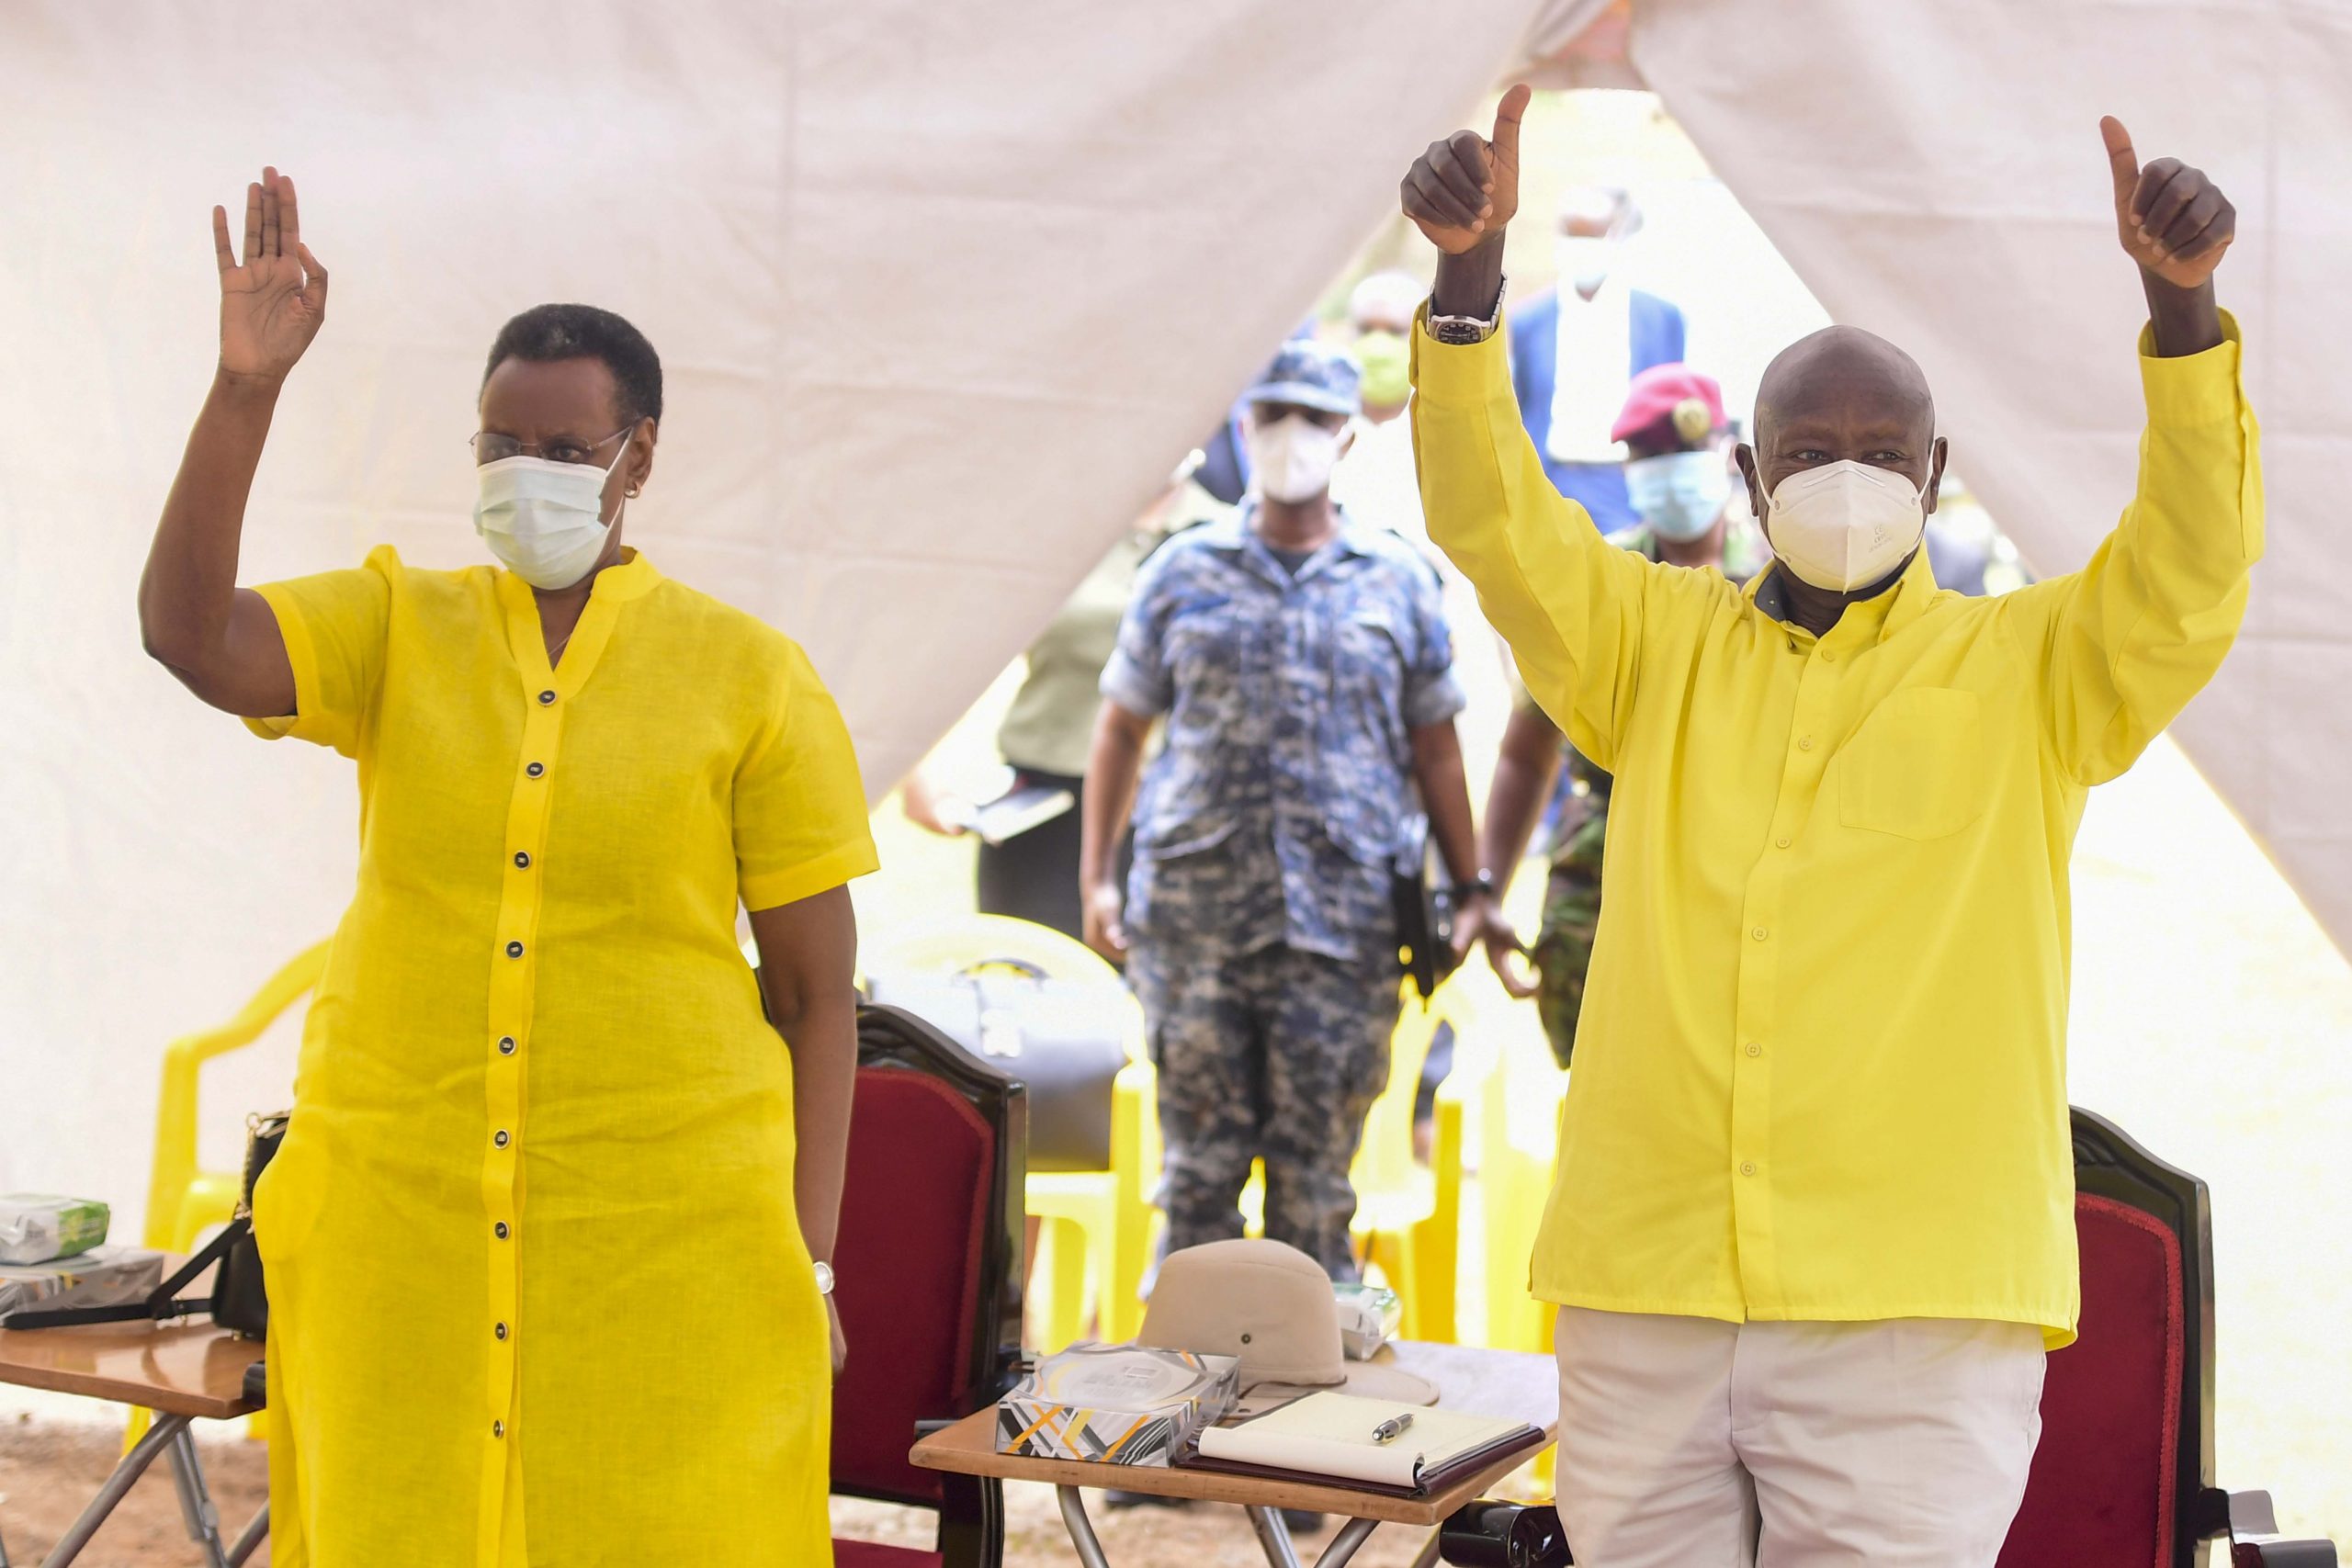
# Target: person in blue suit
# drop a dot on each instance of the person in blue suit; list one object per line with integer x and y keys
{"x": 1605, "y": 333}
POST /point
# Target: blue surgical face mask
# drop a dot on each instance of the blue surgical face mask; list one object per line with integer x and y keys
{"x": 1680, "y": 495}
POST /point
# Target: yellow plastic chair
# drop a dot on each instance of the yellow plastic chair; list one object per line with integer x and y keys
{"x": 1519, "y": 1144}
{"x": 184, "y": 1201}
{"x": 1096, "y": 1225}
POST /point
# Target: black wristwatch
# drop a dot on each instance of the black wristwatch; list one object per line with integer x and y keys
{"x": 1480, "y": 885}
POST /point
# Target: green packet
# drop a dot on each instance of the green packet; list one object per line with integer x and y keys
{"x": 38, "y": 1227}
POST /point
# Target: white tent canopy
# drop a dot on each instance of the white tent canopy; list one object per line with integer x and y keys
{"x": 942, "y": 292}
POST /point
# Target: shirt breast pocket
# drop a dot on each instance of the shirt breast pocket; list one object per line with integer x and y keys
{"x": 1917, "y": 768}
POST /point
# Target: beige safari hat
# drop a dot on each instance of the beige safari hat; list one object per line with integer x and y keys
{"x": 1271, "y": 1305}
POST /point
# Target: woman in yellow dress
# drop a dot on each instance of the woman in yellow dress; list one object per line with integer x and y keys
{"x": 544, "y": 1241}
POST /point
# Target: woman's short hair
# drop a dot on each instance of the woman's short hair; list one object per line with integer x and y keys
{"x": 583, "y": 331}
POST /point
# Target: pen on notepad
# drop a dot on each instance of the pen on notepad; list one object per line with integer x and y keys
{"x": 1388, "y": 1431}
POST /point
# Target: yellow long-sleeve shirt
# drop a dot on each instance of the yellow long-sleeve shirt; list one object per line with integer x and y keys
{"x": 1821, "y": 1073}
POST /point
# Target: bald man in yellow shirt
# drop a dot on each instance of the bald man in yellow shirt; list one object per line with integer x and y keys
{"x": 1812, "y": 1226}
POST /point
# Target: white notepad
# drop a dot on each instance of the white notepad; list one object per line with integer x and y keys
{"x": 1331, "y": 1434}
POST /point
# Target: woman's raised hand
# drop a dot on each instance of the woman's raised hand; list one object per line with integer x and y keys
{"x": 272, "y": 305}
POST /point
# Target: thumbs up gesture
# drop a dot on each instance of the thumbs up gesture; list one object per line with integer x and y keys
{"x": 2172, "y": 220}
{"x": 1463, "y": 189}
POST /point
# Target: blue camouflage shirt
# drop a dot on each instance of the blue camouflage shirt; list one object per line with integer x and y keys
{"x": 1272, "y": 812}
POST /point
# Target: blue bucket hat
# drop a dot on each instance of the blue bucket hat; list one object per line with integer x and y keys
{"x": 1312, "y": 375}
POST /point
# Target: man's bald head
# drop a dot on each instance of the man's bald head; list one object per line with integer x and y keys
{"x": 1841, "y": 369}
{"x": 1843, "y": 394}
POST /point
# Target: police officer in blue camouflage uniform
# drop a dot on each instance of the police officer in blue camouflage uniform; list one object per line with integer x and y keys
{"x": 1304, "y": 671}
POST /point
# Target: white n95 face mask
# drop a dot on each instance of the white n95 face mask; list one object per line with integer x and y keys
{"x": 543, "y": 520}
{"x": 1844, "y": 524}
{"x": 1292, "y": 459}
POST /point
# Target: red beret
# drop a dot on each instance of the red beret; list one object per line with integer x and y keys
{"x": 1658, "y": 395}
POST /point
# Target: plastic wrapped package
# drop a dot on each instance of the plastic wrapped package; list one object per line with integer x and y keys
{"x": 104, "y": 1276}
{"x": 1116, "y": 1405}
{"x": 36, "y": 1226}
{"x": 1369, "y": 1315}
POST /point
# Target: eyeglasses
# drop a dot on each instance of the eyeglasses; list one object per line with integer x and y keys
{"x": 492, "y": 448}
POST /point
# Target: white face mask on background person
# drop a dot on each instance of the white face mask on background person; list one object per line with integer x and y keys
{"x": 1679, "y": 494}
{"x": 544, "y": 520}
{"x": 1584, "y": 260}
{"x": 1291, "y": 458}
{"x": 1844, "y": 524}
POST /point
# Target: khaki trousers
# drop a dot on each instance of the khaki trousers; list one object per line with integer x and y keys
{"x": 1698, "y": 1444}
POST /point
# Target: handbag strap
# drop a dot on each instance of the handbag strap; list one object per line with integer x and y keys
{"x": 163, "y": 1304}
{"x": 265, "y": 1131}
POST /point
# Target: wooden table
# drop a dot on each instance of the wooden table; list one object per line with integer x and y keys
{"x": 1488, "y": 1382}
{"x": 183, "y": 1372}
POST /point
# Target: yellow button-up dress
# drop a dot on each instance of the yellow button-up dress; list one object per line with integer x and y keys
{"x": 539, "y": 1294}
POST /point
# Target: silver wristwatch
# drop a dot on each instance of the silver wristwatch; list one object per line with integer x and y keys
{"x": 1465, "y": 330}
{"x": 824, "y": 1278}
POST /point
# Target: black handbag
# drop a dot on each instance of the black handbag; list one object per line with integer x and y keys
{"x": 1424, "y": 909}
{"x": 239, "y": 1302}
{"x": 1064, "y": 1039}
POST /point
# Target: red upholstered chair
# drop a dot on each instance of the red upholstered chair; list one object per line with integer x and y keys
{"x": 2124, "y": 1474}
{"x": 930, "y": 1282}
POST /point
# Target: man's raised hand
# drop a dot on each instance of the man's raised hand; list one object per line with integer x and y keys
{"x": 271, "y": 305}
{"x": 1463, "y": 189}
{"x": 2172, "y": 220}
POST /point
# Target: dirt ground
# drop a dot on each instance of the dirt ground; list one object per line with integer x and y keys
{"x": 1132, "y": 1538}
{"x": 50, "y": 1467}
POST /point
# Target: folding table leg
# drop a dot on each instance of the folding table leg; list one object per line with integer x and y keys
{"x": 1080, "y": 1528}
{"x": 247, "y": 1543}
{"x": 1274, "y": 1536}
{"x": 196, "y": 1509}
{"x": 1273, "y": 1539}
{"x": 1342, "y": 1550}
{"x": 126, "y": 1475}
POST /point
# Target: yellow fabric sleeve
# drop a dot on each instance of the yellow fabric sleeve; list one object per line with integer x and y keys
{"x": 2129, "y": 638}
{"x": 800, "y": 822}
{"x": 334, "y": 627}
{"x": 1570, "y": 604}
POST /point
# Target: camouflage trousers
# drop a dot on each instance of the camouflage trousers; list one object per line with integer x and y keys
{"x": 1563, "y": 951}
{"x": 1274, "y": 1055}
